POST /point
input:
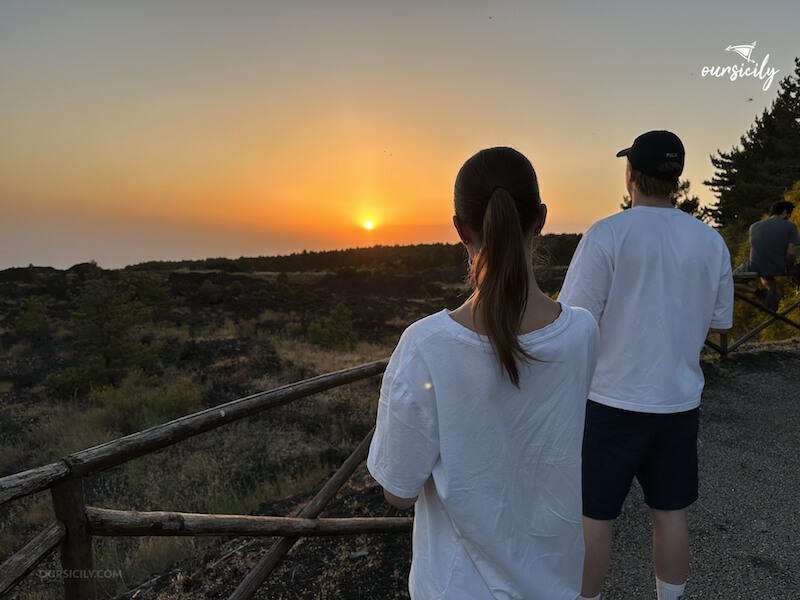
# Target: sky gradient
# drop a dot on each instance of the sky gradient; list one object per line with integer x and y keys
{"x": 176, "y": 129}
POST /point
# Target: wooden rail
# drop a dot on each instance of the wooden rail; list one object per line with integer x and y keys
{"x": 725, "y": 346}
{"x": 77, "y": 523}
{"x": 16, "y": 568}
{"x": 116, "y": 452}
{"x": 106, "y": 522}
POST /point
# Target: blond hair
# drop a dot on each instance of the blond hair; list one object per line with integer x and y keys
{"x": 656, "y": 187}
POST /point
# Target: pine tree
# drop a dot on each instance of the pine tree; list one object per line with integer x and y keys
{"x": 337, "y": 332}
{"x": 750, "y": 178}
{"x": 108, "y": 342}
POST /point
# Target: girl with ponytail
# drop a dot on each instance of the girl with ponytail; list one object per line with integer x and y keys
{"x": 480, "y": 417}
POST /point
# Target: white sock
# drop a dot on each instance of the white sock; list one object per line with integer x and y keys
{"x": 669, "y": 591}
{"x": 592, "y": 598}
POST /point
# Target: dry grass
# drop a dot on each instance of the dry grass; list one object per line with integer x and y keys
{"x": 63, "y": 334}
{"x": 319, "y": 360}
{"x": 12, "y": 456}
{"x": 40, "y": 511}
{"x": 19, "y": 350}
{"x": 64, "y": 430}
{"x": 271, "y": 316}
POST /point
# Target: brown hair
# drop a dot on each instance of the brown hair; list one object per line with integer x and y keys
{"x": 497, "y": 196}
{"x": 780, "y": 206}
{"x": 655, "y": 186}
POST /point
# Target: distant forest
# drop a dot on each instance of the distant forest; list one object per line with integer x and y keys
{"x": 551, "y": 250}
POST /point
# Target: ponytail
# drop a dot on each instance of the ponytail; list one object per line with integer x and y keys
{"x": 500, "y": 277}
{"x": 497, "y": 194}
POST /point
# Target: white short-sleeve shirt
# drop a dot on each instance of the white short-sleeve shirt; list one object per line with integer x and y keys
{"x": 496, "y": 467}
{"x": 656, "y": 280}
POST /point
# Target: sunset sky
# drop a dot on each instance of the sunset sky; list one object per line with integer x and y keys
{"x": 181, "y": 129}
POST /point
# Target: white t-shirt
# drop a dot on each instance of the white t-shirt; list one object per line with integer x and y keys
{"x": 656, "y": 280}
{"x": 496, "y": 467}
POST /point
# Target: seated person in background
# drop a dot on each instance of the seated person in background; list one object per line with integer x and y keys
{"x": 773, "y": 249}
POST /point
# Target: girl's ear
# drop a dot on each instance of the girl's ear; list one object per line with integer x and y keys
{"x": 462, "y": 233}
{"x": 540, "y": 220}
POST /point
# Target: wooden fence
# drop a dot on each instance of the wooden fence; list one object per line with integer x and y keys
{"x": 77, "y": 523}
{"x": 726, "y": 346}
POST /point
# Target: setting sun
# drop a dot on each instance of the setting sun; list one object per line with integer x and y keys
{"x": 368, "y": 225}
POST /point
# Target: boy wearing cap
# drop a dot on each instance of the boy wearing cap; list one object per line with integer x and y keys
{"x": 656, "y": 280}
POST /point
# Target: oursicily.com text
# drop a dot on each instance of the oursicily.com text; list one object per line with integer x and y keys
{"x": 79, "y": 574}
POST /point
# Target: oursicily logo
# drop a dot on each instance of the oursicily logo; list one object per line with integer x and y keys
{"x": 751, "y": 68}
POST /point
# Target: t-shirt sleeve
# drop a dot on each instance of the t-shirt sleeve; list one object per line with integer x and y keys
{"x": 722, "y": 318}
{"x": 405, "y": 446}
{"x": 589, "y": 277}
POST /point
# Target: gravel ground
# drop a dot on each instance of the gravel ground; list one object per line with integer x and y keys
{"x": 745, "y": 529}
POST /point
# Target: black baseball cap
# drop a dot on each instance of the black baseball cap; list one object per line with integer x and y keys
{"x": 653, "y": 149}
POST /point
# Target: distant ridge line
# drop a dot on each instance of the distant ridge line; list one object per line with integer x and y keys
{"x": 554, "y": 249}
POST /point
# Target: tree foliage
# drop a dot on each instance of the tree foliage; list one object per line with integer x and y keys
{"x": 556, "y": 249}
{"x": 153, "y": 293}
{"x": 108, "y": 321}
{"x": 386, "y": 259}
{"x": 751, "y": 177}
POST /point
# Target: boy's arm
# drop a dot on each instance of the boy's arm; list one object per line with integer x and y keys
{"x": 588, "y": 278}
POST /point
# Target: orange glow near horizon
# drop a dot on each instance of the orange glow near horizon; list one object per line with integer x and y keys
{"x": 272, "y": 129}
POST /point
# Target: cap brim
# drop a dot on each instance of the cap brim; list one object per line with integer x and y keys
{"x": 623, "y": 152}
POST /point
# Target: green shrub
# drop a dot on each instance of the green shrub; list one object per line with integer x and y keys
{"x": 337, "y": 332}
{"x": 316, "y": 333}
{"x": 236, "y": 289}
{"x": 32, "y": 316}
{"x": 208, "y": 288}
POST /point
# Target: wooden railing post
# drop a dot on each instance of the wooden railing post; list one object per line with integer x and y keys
{"x": 77, "y": 557}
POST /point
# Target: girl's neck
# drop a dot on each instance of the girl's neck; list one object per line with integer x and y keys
{"x": 539, "y": 312}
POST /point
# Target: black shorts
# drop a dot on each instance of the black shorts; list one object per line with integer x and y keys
{"x": 660, "y": 450}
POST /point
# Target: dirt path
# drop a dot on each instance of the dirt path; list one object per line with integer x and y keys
{"x": 746, "y": 526}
